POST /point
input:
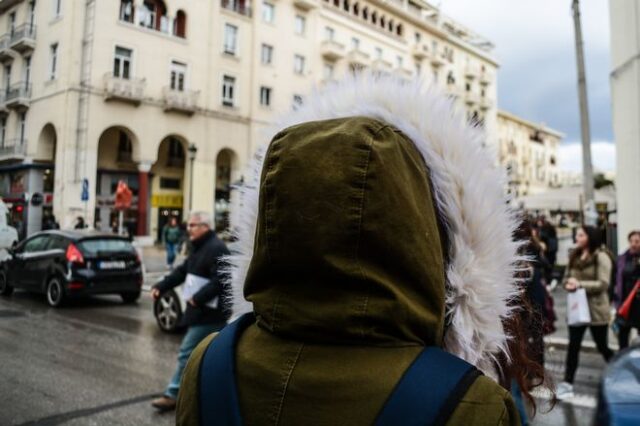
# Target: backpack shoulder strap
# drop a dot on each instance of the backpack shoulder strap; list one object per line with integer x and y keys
{"x": 218, "y": 394}
{"x": 429, "y": 391}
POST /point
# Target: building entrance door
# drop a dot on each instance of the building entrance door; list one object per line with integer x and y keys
{"x": 164, "y": 213}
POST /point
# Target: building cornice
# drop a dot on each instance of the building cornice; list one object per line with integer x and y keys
{"x": 534, "y": 126}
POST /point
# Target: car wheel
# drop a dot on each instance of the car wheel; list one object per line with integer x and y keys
{"x": 168, "y": 312}
{"x": 130, "y": 297}
{"x": 55, "y": 292}
{"x": 5, "y": 288}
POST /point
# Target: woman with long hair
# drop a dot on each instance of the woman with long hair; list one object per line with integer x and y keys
{"x": 589, "y": 268}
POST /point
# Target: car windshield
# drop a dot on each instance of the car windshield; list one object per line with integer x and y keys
{"x": 96, "y": 247}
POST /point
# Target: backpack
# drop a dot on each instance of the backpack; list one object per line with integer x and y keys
{"x": 446, "y": 376}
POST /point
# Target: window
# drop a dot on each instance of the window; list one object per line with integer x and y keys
{"x": 266, "y": 55}
{"x": 298, "y": 64}
{"x": 169, "y": 183}
{"x": 3, "y": 131}
{"x": 126, "y": 10}
{"x": 230, "y": 39}
{"x": 450, "y": 78}
{"x": 228, "y": 89}
{"x": 328, "y": 71}
{"x": 297, "y": 101}
{"x": 125, "y": 148}
{"x": 399, "y": 61}
{"x": 300, "y": 24}
{"x": 329, "y": 33}
{"x": 122, "y": 63}
{"x": 23, "y": 126}
{"x": 178, "y": 76}
{"x": 7, "y": 77}
{"x": 12, "y": 23}
{"x": 27, "y": 70}
{"x": 57, "y": 7}
{"x": 265, "y": 96}
{"x": 418, "y": 37}
{"x": 36, "y": 244}
{"x": 268, "y": 12}
{"x": 180, "y": 24}
{"x": 355, "y": 43}
{"x": 378, "y": 52}
{"x": 53, "y": 62}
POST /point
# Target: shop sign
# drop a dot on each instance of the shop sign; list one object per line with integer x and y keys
{"x": 37, "y": 199}
{"x": 163, "y": 200}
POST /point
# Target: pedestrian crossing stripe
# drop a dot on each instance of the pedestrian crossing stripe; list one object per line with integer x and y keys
{"x": 578, "y": 400}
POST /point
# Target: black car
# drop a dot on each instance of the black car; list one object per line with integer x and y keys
{"x": 64, "y": 264}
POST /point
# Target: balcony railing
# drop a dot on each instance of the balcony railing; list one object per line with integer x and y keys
{"x": 381, "y": 65}
{"x": 332, "y": 50}
{"x": 306, "y": 4}
{"x": 180, "y": 100}
{"x": 420, "y": 51}
{"x": 471, "y": 72}
{"x": 471, "y": 98}
{"x": 124, "y": 89}
{"x": 18, "y": 95}
{"x": 241, "y": 7}
{"x": 485, "y": 78}
{"x": 13, "y": 148}
{"x": 23, "y": 38}
{"x": 359, "y": 58}
{"x": 5, "y": 51}
{"x": 437, "y": 59}
{"x": 486, "y": 103}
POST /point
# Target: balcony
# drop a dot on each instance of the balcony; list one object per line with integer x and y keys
{"x": 332, "y": 50}
{"x": 123, "y": 89}
{"x": 182, "y": 101}
{"x": 13, "y": 149}
{"x": 5, "y": 51}
{"x": 358, "y": 58}
{"x": 471, "y": 72}
{"x": 305, "y": 4}
{"x": 485, "y": 103}
{"x": 471, "y": 98}
{"x": 403, "y": 72}
{"x": 437, "y": 59}
{"x": 485, "y": 78}
{"x": 18, "y": 96}
{"x": 238, "y": 6}
{"x": 382, "y": 66}
{"x": 23, "y": 38}
{"x": 420, "y": 51}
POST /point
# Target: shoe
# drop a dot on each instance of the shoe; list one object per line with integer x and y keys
{"x": 564, "y": 391}
{"x": 164, "y": 403}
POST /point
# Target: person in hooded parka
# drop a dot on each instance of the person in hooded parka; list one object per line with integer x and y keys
{"x": 375, "y": 226}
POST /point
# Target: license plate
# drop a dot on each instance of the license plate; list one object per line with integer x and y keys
{"x": 115, "y": 264}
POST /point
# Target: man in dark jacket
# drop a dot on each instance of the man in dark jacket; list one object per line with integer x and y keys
{"x": 203, "y": 292}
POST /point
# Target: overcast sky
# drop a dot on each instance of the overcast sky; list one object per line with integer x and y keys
{"x": 537, "y": 78}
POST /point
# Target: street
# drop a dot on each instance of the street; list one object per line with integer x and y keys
{"x": 100, "y": 362}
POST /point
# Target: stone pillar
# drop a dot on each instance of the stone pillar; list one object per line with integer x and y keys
{"x": 143, "y": 197}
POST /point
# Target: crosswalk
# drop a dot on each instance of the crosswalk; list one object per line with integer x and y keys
{"x": 578, "y": 400}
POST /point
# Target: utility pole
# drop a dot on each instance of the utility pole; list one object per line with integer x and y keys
{"x": 590, "y": 214}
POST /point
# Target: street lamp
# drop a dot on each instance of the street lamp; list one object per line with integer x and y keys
{"x": 193, "y": 150}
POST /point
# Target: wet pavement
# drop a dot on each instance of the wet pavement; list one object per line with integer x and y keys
{"x": 100, "y": 362}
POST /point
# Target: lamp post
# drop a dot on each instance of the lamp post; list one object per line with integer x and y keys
{"x": 193, "y": 150}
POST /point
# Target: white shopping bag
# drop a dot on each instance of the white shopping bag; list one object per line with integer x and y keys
{"x": 578, "y": 308}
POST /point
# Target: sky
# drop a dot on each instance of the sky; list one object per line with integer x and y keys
{"x": 537, "y": 78}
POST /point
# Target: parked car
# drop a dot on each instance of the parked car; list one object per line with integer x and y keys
{"x": 619, "y": 402}
{"x": 168, "y": 310}
{"x": 65, "y": 264}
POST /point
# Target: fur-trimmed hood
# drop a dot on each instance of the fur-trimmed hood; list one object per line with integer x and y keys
{"x": 467, "y": 192}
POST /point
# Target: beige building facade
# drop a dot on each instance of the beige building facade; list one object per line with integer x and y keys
{"x": 529, "y": 152}
{"x": 172, "y": 96}
{"x": 625, "y": 99}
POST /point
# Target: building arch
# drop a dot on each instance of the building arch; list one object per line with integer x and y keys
{"x": 47, "y": 142}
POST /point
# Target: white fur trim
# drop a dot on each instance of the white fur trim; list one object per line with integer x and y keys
{"x": 468, "y": 189}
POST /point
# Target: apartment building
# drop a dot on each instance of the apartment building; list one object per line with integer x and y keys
{"x": 529, "y": 152}
{"x": 173, "y": 96}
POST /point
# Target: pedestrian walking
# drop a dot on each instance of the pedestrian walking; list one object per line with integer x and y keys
{"x": 203, "y": 291}
{"x": 589, "y": 268}
{"x": 375, "y": 254}
{"x": 80, "y": 224}
{"x": 171, "y": 237}
{"x": 627, "y": 274}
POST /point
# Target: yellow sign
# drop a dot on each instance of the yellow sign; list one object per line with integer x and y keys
{"x": 165, "y": 200}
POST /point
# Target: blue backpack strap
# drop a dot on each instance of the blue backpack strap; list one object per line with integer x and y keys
{"x": 218, "y": 393}
{"x": 429, "y": 391}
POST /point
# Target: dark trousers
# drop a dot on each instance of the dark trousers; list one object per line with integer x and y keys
{"x": 576, "y": 333}
{"x": 623, "y": 336}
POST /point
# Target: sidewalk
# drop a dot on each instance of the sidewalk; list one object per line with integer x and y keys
{"x": 154, "y": 260}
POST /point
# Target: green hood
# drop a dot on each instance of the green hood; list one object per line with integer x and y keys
{"x": 347, "y": 247}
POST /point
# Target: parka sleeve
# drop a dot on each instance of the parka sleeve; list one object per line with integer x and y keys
{"x": 604, "y": 274}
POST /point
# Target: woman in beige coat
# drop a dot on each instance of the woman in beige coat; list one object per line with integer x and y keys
{"x": 589, "y": 268}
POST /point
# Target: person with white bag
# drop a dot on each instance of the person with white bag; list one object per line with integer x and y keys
{"x": 587, "y": 280}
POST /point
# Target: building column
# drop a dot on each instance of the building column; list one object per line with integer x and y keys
{"x": 143, "y": 197}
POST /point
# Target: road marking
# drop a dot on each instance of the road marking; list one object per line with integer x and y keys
{"x": 578, "y": 400}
